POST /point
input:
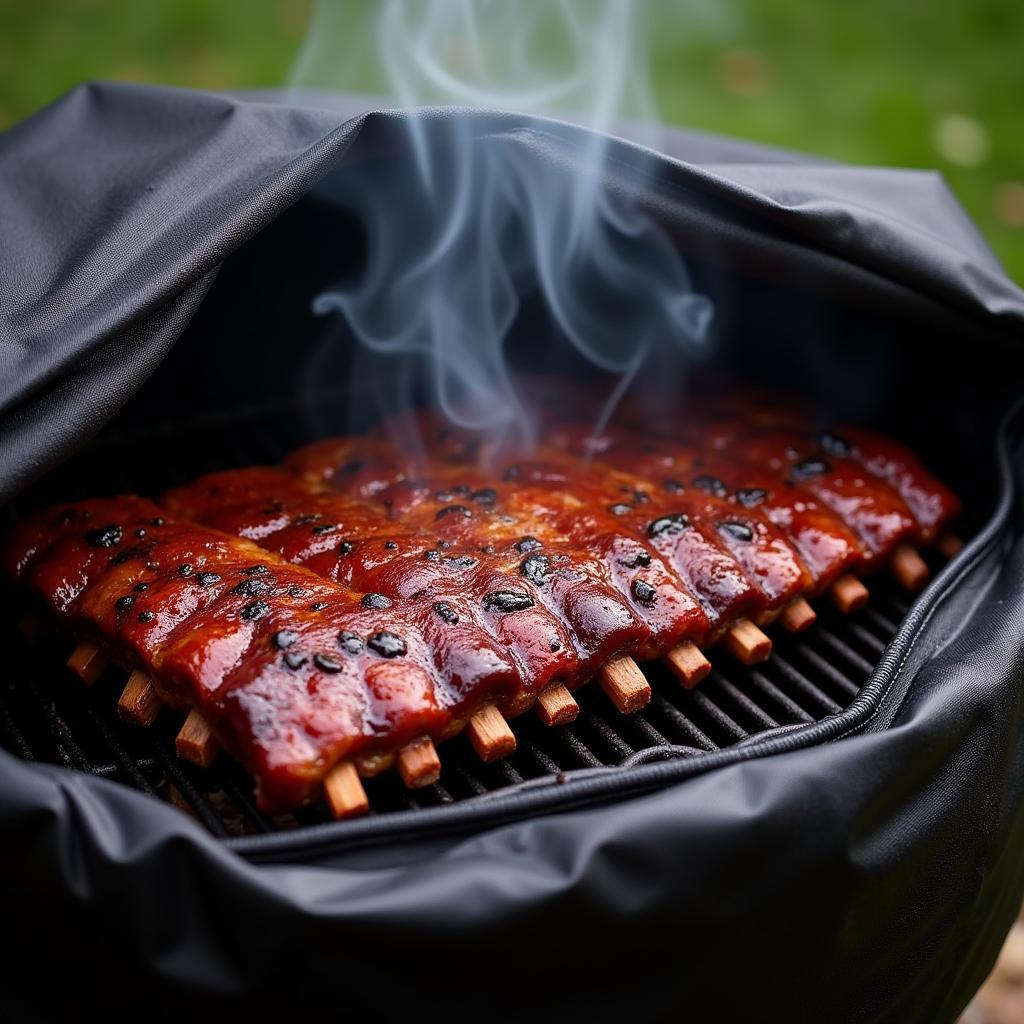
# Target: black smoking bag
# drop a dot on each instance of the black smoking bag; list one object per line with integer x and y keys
{"x": 158, "y": 254}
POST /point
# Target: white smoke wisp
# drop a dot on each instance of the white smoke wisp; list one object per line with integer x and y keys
{"x": 475, "y": 221}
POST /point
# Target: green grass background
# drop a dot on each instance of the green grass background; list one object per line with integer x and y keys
{"x": 913, "y": 83}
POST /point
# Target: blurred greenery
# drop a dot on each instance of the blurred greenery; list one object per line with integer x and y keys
{"x": 914, "y": 83}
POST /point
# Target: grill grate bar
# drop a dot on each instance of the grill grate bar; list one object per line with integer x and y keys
{"x": 610, "y": 737}
{"x": 177, "y": 777}
{"x": 749, "y": 707}
{"x": 67, "y": 748}
{"x": 882, "y": 624}
{"x": 507, "y": 772}
{"x": 689, "y": 731}
{"x": 800, "y": 682}
{"x": 762, "y": 683}
{"x": 867, "y": 638}
{"x": 653, "y": 737}
{"x": 471, "y": 782}
{"x": 545, "y": 763}
{"x": 895, "y": 605}
{"x": 122, "y": 758}
{"x": 734, "y": 731}
{"x": 236, "y": 790}
{"x": 827, "y": 671}
{"x": 580, "y": 750}
{"x": 860, "y": 664}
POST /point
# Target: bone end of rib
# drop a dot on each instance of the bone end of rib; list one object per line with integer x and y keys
{"x": 688, "y": 664}
{"x": 344, "y": 791}
{"x": 797, "y": 616}
{"x": 747, "y": 643}
{"x": 848, "y": 594}
{"x": 139, "y": 702}
{"x": 909, "y": 567}
{"x": 419, "y": 763}
{"x": 625, "y": 684}
{"x": 88, "y": 662}
{"x": 556, "y": 705}
{"x": 195, "y": 741}
{"x": 490, "y": 734}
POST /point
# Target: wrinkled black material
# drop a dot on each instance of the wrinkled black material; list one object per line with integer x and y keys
{"x": 867, "y": 879}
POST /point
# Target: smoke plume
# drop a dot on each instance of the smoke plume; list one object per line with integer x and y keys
{"x": 475, "y": 223}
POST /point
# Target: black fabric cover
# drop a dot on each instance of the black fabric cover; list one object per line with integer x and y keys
{"x": 861, "y": 870}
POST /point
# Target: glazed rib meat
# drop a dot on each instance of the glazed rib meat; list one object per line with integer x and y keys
{"x": 353, "y": 600}
{"x": 730, "y": 562}
{"x": 486, "y": 551}
{"x": 292, "y": 670}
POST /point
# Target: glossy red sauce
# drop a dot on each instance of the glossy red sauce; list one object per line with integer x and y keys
{"x": 355, "y": 599}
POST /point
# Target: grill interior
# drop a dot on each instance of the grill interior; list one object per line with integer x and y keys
{"x": 47, "y": 715}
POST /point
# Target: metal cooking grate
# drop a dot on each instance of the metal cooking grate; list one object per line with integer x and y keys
{"x": 47, "y": 715}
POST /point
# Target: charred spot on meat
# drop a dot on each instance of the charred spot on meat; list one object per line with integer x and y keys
{"x": 668, "y": 526}
{"x": 446, "y": 613}
{"x": 507, "y": 601}
{"x": 284, "y": 638}
{"x": 375, "y": 601}
{"x": 641, "y": 560}
{"x": 247, "y": 588}
{"x": 255, "y": 610}
{"x": 644, "y": 592}
{"x": 836, "y": 446}
{"x": 386, "y": 644}
{"x": 751, "y": 497}
{"x": 454, "y": 510}
{"x": 327, "y": 664}
{"x": 810, "y": 467}
{"x": 349, "y": 642}
{"x": 105, "y": 536}
{"x": 486, "y": 496}
{"x": 710, "y": 485}
{"x": 738, "y": 531}
{"x": 537, "y": 569}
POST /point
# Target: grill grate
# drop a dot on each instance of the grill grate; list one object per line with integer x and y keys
{"x": 47, "y": 715}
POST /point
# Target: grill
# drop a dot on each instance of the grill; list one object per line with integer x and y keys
{"x": 46, "y": 714}
{"x": 865, "y": 288}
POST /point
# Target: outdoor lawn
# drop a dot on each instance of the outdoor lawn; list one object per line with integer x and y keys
{"x": 921, "y": 83}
